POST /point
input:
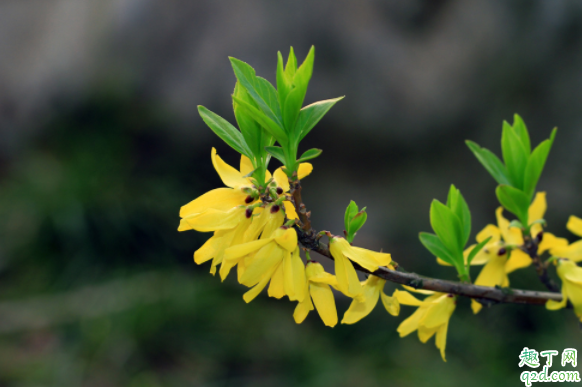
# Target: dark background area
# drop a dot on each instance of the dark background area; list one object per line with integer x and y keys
{"x": 100, "y": 145}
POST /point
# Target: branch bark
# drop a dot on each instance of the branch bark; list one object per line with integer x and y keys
{"x": 484, "y": 294}
{"x": 530, "y": 247}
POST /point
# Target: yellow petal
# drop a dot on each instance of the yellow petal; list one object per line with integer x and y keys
{"x": 246, "y": 165}
{"x": 483, "y": 256}
{"x": 475, "y": 306}
{"x": 304, "y": 170}
{"x": 517, "y": 260}
{"x": 258, "y": 222}
{"x": 290, "y": 210}
{"x": 241, "y": 250}
{"x": 281, "y": 179}
{"x": 439, "y": 313}
{"x": 255, "y": 291}
{"x": 365, "y": 258}
{"x": 276, "y": 288}
{"x": 229, "y": 176}
{"x": 315, "y": 273}
{"x": 550, "y": 241}
{"x": 555, "y": 305}
{"x": 263, "y": 262}
{"x": 574, "y": 225}
{"x": 237, "y": 238}
{"x": 288, "y": 239}
{"x": 419, "y": 291}
{"x": 207, "y": 251}
{"x": 224, "y": 243}
{"x": 391, "y": 304}
{"x": 573, "y": 252}
{"x": 275, "y": 221}
{"x": 360, "y": 309}
{"x": 425, "y": 333}
{"x": 441, "y": 339}
{"x": 538, "y": 207}
{"x": 405, "y": 298}
{"x": 298, "y": 277}
{"x": 346, "y": 275}
{"x": 511, "y": 235}
{"x": 212, "y": 220}
{"x": 573, "y": 291}
{"x": 302, "y": 310}
{"x": 382, "y": 259}
{"x": 324, "y": 303}
{"x": 570, "y": 272}
{"x": 489, "y": 231}
{"x": 409, "y": 325}
{"x": 493, "y": 273}
{"x": 221, "y": 199}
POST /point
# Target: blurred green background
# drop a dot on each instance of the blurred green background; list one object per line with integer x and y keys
{"x": 100, "y": 145}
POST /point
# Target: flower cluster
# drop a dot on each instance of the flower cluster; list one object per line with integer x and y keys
{"x": 256, "y": 220}
{"x": 253, "y": 232}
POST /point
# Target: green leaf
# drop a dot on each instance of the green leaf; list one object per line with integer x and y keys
{"x": 309, "y": 154}
{"x": 277, "y": 152}
{"x": 456, "y": 202}
{"x": 514, "y": 201}
{"x": 310, "y": 115}
{"x": 447, "y": 226}
{"x": 516, "y": 224}
{"x": 351, "y": 211}
{"x": 302, "y": 77}
{"x": 437, "y": 248}
{"x": 491, "y": 163}
{"x": 521, "y": 131}
{"x": 255, "y": 136}
{"x": 476, "y": 249}
{"x": 514, "y": 155}
{"x": 269, "y": 125}
{"x": 291, "y": 111}
{"x": 356, "y": 224}
{"x": 284, "y": 84}
{"x": 536, "y": 163}
{"x": 262, "y": 92}
{"x": 291, "y": 66}
{"x": 225, "y": 131}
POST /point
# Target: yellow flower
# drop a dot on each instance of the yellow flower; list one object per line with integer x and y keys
{"x": 317, "y": 288}
{"x": 571, "y": 276}
{"x": 222, "y": 239}
{"x": 264, "y": 225}
{"x": 346, "y": 275}
{"x": 574, "y": 250}
{"x": 432, "y": 316}
{"x": 224, "y": 199}
{"x": 494, "y": 255}
{"x": 262, "y": 259}
{"x": 372, "y": 290}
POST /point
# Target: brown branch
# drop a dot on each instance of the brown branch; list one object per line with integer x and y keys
{"x": 295, "y": 187}
{"x": 484, "y": 294}
{"x": 530, "y": 247}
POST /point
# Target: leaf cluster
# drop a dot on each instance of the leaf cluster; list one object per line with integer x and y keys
{"x": 265, "y": 114}
{"x": 451, "y": 223}
{"x": 520, "y": 170}
{"x": 354, "y": 219}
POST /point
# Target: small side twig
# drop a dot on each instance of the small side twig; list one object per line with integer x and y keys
{"x": 530, "y": 247}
